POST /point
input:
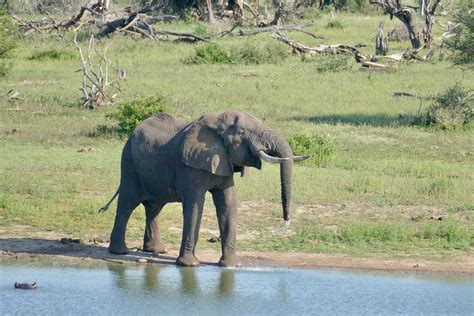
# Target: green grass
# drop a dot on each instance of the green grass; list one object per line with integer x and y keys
{"x": 362, "y": 236}
{"x": 384, "y": 172}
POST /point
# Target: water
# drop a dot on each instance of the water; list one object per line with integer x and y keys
{"x": 164, "y": 290}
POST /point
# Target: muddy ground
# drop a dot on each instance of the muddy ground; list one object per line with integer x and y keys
{"x": 50, "y": 248}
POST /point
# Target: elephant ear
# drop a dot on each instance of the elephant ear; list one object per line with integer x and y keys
{"x": 204, "y": 149}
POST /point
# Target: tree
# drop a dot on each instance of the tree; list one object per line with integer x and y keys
{"x": 462, "y": 40}
{"x": 7, "y": 40}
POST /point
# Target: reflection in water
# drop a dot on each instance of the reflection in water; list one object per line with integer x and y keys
{"x": 151, "y": 289}
{"x": 119, "y": 272}
{"x": 226, "y": 282}
{"x": 150, "y": 277}
{"x": 189, "y": 281}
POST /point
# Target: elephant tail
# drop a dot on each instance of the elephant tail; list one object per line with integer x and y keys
{"x": 106, "y": 206}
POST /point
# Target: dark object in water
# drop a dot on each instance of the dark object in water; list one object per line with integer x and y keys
{"x": 26, "y": 286}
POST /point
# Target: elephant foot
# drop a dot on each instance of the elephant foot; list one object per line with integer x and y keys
{"x": 187, "y": 260}
{"x": 118, "y": 249}
{"x": 230, "y": 261}
{"x": 155, "y": 248}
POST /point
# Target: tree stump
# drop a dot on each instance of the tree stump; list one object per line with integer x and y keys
{"x": 381, "y": 42}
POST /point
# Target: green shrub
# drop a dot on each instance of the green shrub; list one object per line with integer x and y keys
{"x": 462, "y": 42}
{"x": 334, "y": 24}
{"x": 447, "y": 233}
{"x": 320, "y": 148}
{"x": 328, "y": 63}
{"x": 200, "y": 30}
{"x": 211, "y": 54}
{"x": 52, "y": 54}
{"x": 451, "y": 109}
{"x": 371, "y": 232}
{"x": 250, "y": 53}
{"x": 8, "y": 39}
{"x": 130, "y": 114}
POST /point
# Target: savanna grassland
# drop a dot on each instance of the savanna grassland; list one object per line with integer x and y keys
{"x": 390, "y": 188}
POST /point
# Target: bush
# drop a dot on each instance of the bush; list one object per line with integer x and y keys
{"x": 334, "y": 24}
{"x": 52, "y": 54}
{"x": 328, "y": 63}
{"x": 130, "y": 114}
{"x": 462, "y": 42}
{"x": 200, "y": 30}
{"x": 8, "y": 40}
{"x": 320, "y": 148}
{"x": 451, "y": 109}
{"x": 250, "y": 53}
{"x": 211, "y": 54}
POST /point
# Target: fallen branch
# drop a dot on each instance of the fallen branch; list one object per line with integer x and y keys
{"x": 320, "y": 49}
{"x": 411, "y": 54}
{"x": 136, "y": 23}
{"x": 298, "y": 28}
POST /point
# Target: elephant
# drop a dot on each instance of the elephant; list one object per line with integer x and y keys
{"x": 166, "y": 161}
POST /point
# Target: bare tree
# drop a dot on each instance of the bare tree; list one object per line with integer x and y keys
{"x": 404, "y": 14}
{"x": 95, "y": 75}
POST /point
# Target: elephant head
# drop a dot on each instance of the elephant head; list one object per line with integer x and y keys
{"x": 230, "y": 142}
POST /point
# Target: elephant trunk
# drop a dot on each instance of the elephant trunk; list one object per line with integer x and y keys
{"x": 281, "y": 148}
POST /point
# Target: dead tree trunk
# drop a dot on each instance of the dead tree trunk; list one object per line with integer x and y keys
{"x": 210, "y": 14}
{"x": 381, "y": 42}
{"x": 429, "y": 12}
{"x": 404, "y": 14}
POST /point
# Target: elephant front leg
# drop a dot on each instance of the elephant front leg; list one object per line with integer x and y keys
{"x": 152, "y": 238}
{"x": 193, "y": 204}
{"x": 225, "y": 201}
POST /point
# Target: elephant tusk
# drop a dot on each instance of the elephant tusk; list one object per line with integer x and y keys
{"x": 271, "y": 159}
{"x": 300, "y": 158}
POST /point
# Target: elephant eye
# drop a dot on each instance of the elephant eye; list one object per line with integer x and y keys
{"x": 240, "y": 132}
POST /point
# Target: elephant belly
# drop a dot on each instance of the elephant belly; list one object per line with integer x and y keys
{"x": 159, "y": 182}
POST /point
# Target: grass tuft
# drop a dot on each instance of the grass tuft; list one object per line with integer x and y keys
{"x": 320, "y": 148}
{"x": 52, "y": 54}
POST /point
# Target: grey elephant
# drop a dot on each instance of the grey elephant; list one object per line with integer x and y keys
{"x": 166, "y": 161}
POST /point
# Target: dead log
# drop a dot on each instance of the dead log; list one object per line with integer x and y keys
{"x": 297, "y": 28}
{"x": 370, "y": 64}
{"x": 320, "y": 49}
{"x": 411, "y": 55}
{"x": 136, "y": 23}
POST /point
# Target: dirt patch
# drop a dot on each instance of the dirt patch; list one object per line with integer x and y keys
{"x": 28, "y": 248}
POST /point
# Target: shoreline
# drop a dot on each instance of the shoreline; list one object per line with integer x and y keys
{"x": 52, "y": 250}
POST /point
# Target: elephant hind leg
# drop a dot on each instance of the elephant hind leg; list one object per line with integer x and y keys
{"x": 152, "y": 239}
{"x": 128, "y": 200}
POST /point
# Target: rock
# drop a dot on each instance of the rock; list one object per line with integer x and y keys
{"x": 416, "y": 218}
{"x": 14, "y": 131}
{"x": 97, "y": 241}
{"x": 87, "y": 150}
{"x": 141, "y": 260}
{"x": 214, "y": 239}
{"x": 67, "y": 241}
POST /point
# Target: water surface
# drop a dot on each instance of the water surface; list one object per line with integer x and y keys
{"x": 154, "y": 289}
